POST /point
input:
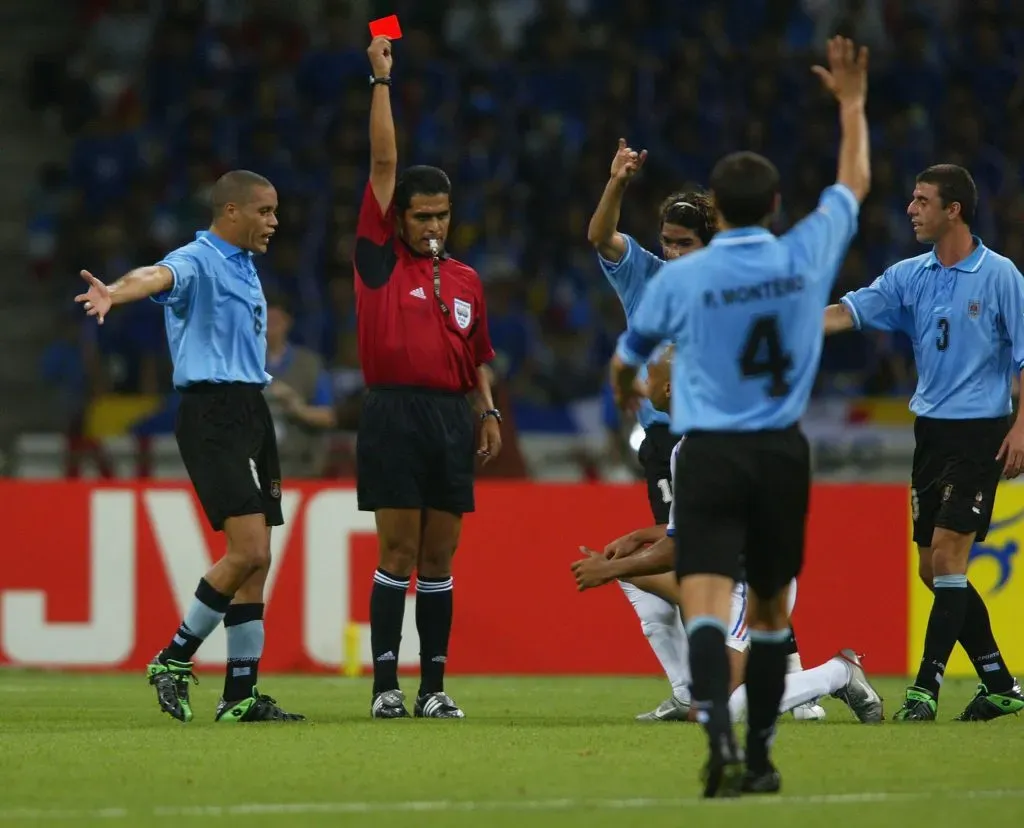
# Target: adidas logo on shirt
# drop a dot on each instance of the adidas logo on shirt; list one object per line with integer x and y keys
{"x": 418, "y": 293}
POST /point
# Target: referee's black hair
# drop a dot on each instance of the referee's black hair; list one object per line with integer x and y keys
{"x": 420, "y": 180}
{"x": 745, "y": 186}
{"x": 233, "y": 188}
{"x": 692, "y": 209}
{"x": 954, "y": 184}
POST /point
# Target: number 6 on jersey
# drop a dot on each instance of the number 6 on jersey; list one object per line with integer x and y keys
{"x": 764, "y": 356}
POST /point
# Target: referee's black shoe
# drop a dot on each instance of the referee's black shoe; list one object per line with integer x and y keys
{"x": 388, "y": 704}
{"x": 437, "y": 706}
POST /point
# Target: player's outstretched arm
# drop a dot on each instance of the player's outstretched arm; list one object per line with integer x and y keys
{"x": 633, "y": 542}
{"x": 838, "y": 319}
{"x": 603, "y": 231}
{"x": 383, "y": 146}
{"x": 847, "y": 79}
{"x": 134, "y": 285}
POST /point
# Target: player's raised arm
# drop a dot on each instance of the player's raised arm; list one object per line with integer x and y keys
{"x": 847, "y": 79}
{"x": 383, "y": 146}
{"x": 603, "y": 231}
{"x": 819, "y": 242}
{"x": 134, "y": 285}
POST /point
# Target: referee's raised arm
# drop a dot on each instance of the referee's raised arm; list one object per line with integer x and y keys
{"x": 383, "y": 146}
{"x": 424, "y": 348}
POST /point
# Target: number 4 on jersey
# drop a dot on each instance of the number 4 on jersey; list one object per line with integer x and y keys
{"x": 764, "y": 356}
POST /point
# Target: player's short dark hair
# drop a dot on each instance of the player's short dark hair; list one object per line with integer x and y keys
{"x": 954, "y": 184}
{"x": 692, "y": 209}
{"x": 745, "y": 186}
{"x": 235, "y": 187}
{"x": 281, "y": 301}
{"x": 420, "y": 180}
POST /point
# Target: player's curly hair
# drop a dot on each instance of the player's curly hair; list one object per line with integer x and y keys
{"x": 692, "y": 209}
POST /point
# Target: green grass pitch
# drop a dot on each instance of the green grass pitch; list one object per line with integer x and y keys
{"x": 95, "y": 750}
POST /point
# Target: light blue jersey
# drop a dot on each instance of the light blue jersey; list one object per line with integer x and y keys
{"x": 745, "y": 317}
{"x": 967, "y": 325}
{"x": 215, "y": 314}
{"x": 629, "y": 276}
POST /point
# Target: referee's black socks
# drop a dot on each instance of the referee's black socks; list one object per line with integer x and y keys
{"x": 766, "y": 682}
{"x": 205, "y": 613}
{"x": 709, "y": 666}
{"x": 434, "y": 624}
{"x": 946, "y": 622}
{"x": 387, "y": 612}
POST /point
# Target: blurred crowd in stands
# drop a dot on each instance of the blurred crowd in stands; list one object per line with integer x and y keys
{"x": 522, "y": 102}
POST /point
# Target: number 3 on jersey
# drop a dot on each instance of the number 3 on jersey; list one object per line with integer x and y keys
{"x": 764, "y": 356}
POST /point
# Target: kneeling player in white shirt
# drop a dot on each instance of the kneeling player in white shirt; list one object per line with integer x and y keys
{"x": 652, "y": 571}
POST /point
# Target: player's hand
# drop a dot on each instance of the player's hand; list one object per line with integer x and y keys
{"x": 627, "y": 389}
{"x": 490, "y": 440}
{"x": 847, "y": 74}
{"x": 627, "y": 162}
{"x": 96, "y": 300}
{"x": 593, "y": 570}
{"x": 1011, "y": 452}
{"x": 286, "y": 395}
{"x": 379, "y": 53}
{"x": 622, "y": 547}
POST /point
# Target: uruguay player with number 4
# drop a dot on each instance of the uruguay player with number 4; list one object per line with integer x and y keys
{"x": 687, "y": 224}
{"x": 962, "y": 304}
{"x": 745, "y": 317}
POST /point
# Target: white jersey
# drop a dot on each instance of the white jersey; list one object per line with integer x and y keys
{"x": 738, "y": 637}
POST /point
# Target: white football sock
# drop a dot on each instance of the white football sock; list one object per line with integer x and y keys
{"x": 801, "y": 688}
{"x": 665, "y": 633}
{"x": 819, "y": 681}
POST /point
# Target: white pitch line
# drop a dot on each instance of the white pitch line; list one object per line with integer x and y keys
{"x": 456, "y": 806}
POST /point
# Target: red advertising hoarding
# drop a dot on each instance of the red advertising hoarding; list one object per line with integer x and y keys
{"x": 97, "y": 576}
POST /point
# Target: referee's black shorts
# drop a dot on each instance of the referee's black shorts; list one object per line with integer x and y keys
{"x": 955, "y": 475}
{"x": 655, "y": 458}
{"x": 741, "y": 501}
{"x": 226, "y": 438}
{"x": 415, "y": 450}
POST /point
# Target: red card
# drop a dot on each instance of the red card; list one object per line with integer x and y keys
{"x": 386, "y": 27}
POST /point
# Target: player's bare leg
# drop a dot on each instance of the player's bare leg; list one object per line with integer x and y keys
{"x": 243, "y": 623}
{"x": 999, "y": 693}
{"x": 170, "y": 672}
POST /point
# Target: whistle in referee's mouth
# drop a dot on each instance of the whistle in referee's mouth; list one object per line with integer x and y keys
{"x": 435, "y": 247}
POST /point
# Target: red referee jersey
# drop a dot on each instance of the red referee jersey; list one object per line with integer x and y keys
{"x": 404, "y": 337}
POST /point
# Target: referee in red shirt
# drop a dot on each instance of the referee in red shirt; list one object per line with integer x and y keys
{"x": 423, "y": 345}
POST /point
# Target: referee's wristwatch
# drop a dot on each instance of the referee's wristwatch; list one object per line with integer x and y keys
{"x": 493, "y": 412}
{"x": 385, "y": 81}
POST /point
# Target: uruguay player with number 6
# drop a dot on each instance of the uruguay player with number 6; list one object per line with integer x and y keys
{"x": 215, "y": 313}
